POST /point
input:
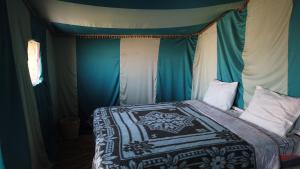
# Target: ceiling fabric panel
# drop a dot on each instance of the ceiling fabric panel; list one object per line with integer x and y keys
{"x": 74, "y": 29}
{"x": 92, "y": 18}
{"x": 153, "y": 4}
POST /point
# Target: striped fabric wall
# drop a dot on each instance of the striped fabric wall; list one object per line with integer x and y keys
{"x": 256, "y": 46}
{"x": 131, "y": 71}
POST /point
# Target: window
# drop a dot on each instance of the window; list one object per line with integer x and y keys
{"x": 34, "y": 62}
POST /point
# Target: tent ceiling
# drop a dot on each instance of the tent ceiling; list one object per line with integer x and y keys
{"x": 152, "y": 4}
{"x": 79, "y": 18}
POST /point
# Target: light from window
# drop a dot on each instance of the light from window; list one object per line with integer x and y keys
{"x": 34, "y": 62}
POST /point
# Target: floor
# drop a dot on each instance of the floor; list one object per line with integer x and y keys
{"x": 76, "y": 154}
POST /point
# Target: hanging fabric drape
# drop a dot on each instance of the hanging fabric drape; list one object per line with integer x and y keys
{"x": 265, "y": 53}
{"x": 98, "y": 70}
{"x": 19, "y": 22}
{"x": 138, "y": 69}
{"x": 294, "y": 51}
{"x": 12, "y": 121}
{"x": 231, "y": 40}
{"x": 1, "y": 158}
{"x": 205, "y": 62}
{"x": 174, "y": 69}
{"x": 42, "y": 90}
{"x": 53, "y": 87}
{"x": 65, "y": 80}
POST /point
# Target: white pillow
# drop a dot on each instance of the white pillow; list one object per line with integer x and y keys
{"x": 272, "y": 111}
{"x": 221, "y": 94}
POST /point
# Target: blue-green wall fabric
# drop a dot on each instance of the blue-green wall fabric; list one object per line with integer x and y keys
{"x": 75, "y": 29}
{"x": 153, "y": 4}
{"x": 1, "y": 159}
{"x": 13, "y": 133}
{"x": 294, "y": 52}
{"x": 230, "y": 45}
{"x": 42, "y": 92}
{"x": 98, "y": 71}
{"x": 174, "y": 69}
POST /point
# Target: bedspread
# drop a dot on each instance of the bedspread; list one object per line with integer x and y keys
{"x": 167, "y": 135}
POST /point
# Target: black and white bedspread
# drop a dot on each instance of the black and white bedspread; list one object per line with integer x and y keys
{"x": 173, "y": 136}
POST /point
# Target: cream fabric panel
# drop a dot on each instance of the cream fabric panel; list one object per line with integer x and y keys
{"x": 138, "y": 67}
{"x": 65, "y": 66}
{"x": 205, "y": 62}
{"x": 266, "y": 46}
{"x": 20, "y": 29}
{"x": 105, "y": 17}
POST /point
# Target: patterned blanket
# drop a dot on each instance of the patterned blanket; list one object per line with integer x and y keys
{"x": 165, "y": 136}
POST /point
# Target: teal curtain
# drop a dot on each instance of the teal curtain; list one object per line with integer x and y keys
{"x": 42, "y": 92}
{"x": 1, "y": 159}
{"x": 230, "y": 45}
{"x": 174, "y": 70}
{"x": 294, "y": 52}
{"x": 98, "y": 70}
{"x": 14, "y": 139}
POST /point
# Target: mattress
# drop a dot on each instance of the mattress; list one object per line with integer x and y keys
{"x": 189, "y": 134}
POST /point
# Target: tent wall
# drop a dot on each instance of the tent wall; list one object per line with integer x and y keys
{"x": 98, "y": 65}
{"x": 227, "y": 51}
{"x": 42, "y": 90}
{"x": 12, "y": 120}
{"x": 261, "y": 55}
{"x": 28, "y": 112}
{"x": 231, "y": 40}
{"x": 175, "y": 65}
{"x": 265, "y": 53}
{"x": 205, "y": 62}
{"x": 64, "y": 75}
{"x": 294, "y": 52}
{"x": 133, "y": 71}
{"x": 256, "y": 46}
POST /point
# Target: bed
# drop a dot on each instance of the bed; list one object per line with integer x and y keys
{"x": 182, "y": 135}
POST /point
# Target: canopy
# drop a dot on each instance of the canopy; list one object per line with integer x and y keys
{"x": 132, "y": 16}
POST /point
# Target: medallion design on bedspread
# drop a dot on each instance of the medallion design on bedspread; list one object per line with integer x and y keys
{"x": 170, "y": 122}
{"x": 165, "y": 136}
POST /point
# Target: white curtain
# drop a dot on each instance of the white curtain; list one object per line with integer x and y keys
{"x": 138, "y": 68}
{"x": 64, "y": 56}
{"x": 266, "y": 46}
{"x": 52, "y": 76}
{"x": 19, "y": 22}
{"x": 205, "y": 62}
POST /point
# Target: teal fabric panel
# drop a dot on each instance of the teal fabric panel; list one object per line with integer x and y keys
{"x": 42, "y": 92}
{"x": 230, "y": 45}
{"x": 174, "y": 70}
{"x": 98, "y": 71}
{"x": 153, "y": 4}
{"x": 1, "y": 159}
{"x": 13, "y": 133}
{"x": 75, "y": 29}
{"x": 294, "y": 52}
